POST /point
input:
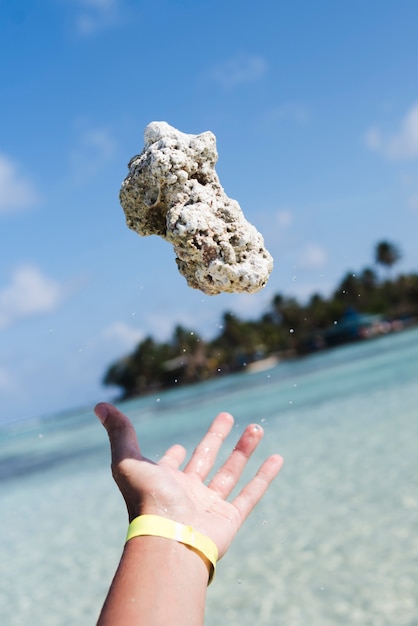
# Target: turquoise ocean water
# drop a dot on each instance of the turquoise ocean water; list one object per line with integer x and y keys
{"x": 335, "y": 542}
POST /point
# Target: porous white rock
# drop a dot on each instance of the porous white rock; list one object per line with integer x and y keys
{"x": 172, "y": 190}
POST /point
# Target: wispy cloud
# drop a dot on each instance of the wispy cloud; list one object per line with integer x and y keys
{"x": 313, "y": 256}
{"x": 161, "y": 325}
{"x": 401, "y": 144}
{"x": 94, "y": 150}
{"x": 123, "y": 334}
{"x": 17, "y": 192}
{"x": 29, "y": 293}
{"x": 239, "y": 70}
{"x": 95, "y": 15}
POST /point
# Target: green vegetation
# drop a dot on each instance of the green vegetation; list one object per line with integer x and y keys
{"x": 387, "y": 254}
{"x": 362, "y": 305}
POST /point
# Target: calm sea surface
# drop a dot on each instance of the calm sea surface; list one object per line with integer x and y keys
{"x": 334, "y": 542}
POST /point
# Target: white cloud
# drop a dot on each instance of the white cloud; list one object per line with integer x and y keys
{"x": 94, "y": 150}
{"x": 95, "y": 15}
{"x": 402, "y": 144}
{"x": 313, "y": 257}
{"x": 29, "y": 293}
{"x": 126, "y": 336}
{"x": 239, "y": 70}
{"x": 16, "y": 191}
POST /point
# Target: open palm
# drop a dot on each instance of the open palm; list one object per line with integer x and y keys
{"x": 182, "y": 495}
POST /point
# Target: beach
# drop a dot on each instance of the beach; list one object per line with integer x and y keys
{"x": 333, "y": 542}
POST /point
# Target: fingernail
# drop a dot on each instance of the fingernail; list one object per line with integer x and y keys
{"x": 102, "y": 412}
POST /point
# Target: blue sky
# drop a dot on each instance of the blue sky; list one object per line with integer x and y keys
{"x": 315, "y": 110}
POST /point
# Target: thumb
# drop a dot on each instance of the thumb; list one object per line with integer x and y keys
{"x": 122, "y": 435}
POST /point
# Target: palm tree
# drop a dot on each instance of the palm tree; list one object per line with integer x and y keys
{"x": 387, "y": 254}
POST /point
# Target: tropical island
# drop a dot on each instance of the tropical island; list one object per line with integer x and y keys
{"x": 362, "y": 306}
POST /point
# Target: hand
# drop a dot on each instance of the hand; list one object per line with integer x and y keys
{"x": 181, "y": 495}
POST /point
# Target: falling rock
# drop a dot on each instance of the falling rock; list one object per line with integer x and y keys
{"x": 172, "y": 190}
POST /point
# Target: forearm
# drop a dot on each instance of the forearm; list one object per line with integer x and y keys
{"x": 158, "y": 582}
{"x": 161, "y": 581}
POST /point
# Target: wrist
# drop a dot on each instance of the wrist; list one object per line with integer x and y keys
{"x": 162, "y": 527}
{"x": 180, "y": 563}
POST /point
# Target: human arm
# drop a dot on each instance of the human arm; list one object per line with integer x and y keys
{"x": 159, "y": 580}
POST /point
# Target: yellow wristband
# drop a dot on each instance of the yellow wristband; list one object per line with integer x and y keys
{"x": 163, "y": 527}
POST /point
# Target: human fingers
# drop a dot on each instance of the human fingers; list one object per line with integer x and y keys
{"x": 204, "y": 456}
{"x": 254, "y": 490}
{"x": 174, "y": 457}
{"x": 228, "y": 475}
{"x": 122, "y": 436}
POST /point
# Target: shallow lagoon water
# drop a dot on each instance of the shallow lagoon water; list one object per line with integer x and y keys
{"x": 334, "y": 542}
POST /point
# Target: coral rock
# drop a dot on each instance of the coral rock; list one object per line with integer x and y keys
{"x": 172, "y": 190}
